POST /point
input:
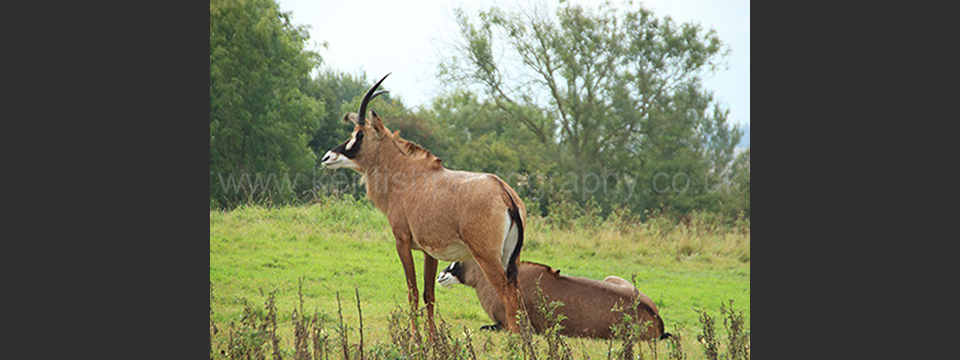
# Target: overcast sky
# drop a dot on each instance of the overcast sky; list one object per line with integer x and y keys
{"x": 404, "y": 37}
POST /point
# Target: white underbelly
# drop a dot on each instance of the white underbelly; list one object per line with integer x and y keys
{"x": 454, "y": 251}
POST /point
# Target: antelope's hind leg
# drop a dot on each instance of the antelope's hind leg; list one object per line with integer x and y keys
{"x": 508, "y": 290}
{"x": 486, "y": 248}
{"x": 495, "y": 245}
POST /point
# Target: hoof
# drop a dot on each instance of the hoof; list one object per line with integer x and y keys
{"x": 494, "y": 327}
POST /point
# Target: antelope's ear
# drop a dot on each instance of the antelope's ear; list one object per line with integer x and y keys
{"x": 350, "y": 117}
{"x": 377, "y": 124}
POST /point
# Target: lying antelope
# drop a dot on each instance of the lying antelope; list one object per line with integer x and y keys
{"x": 449, "y": 215}
{"x": 587, "y": 304}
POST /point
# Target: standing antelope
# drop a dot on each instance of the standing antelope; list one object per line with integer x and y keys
{"x": 449, "y": 215}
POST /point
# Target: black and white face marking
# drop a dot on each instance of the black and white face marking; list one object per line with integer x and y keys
{"x": 451, "y": 275}
{"x": 349, "y": 148}
{"x": 342, "y": 156}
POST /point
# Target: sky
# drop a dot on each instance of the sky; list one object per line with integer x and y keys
{"x": 405, "y": 37}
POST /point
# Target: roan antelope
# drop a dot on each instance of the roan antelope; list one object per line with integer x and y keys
{"x": 587, "y": 304}
{"x": 449, "y": 215}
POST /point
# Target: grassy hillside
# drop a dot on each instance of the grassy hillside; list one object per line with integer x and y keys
{"x": 339, "y": 245}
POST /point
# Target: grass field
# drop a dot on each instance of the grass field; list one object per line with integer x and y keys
{"x": 339, "y": 245}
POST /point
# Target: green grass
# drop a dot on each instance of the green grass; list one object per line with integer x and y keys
{"x": 341, "y": 244}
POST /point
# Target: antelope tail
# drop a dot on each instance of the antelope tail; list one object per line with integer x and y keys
{"x": 514, "y": 211}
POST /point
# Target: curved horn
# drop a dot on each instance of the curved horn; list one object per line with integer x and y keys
{"x": 362, "y": 114}
{"x": 378, "y": 94}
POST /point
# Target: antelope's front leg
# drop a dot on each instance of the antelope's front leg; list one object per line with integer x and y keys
{"x": 406, "y": 259}
{"x": 429, "y": 274}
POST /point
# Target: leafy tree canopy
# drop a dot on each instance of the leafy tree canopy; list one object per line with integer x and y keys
{"x": 260, "y": 120}
{"x": 620, "y": 90}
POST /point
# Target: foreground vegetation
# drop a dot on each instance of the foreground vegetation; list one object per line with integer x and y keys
{"x": 278, "y": 274}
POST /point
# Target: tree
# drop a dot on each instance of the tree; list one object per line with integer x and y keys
{"x": 621, "y": 88}
{"x": 741, "y": 181}
{"x": 260, "y": 121}
{"x": 482, "y": 137}
{"x": 337, "y": 90}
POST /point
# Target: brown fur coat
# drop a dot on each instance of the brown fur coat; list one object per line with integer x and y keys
{"x": 587, "y": 304}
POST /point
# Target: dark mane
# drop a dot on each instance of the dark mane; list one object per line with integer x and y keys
{"x": 546, "y": 268}
{"x": 414, "y": 150}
